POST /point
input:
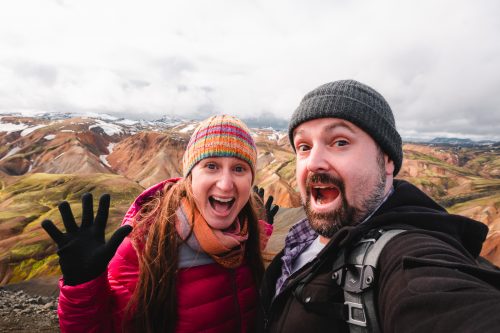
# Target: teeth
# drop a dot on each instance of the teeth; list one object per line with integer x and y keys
{"x": 322, "y": 187}
{"x": 222, "y": 199}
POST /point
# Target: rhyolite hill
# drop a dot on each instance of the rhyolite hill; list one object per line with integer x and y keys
{"x": 45, "y": 160}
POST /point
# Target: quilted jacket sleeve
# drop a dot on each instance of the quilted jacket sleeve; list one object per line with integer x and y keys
{"x": 85, "y": 307}
{"x": 96, "y": 306}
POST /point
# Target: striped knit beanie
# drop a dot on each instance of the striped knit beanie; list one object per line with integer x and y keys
{"x": 357, "y": 103}
{"x": 220, "y": 136}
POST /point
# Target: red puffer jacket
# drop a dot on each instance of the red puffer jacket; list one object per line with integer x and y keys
{"x": 210, "y": 298}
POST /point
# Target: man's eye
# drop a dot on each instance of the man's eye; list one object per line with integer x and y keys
{"x": 303, "y": 147}
{"x": 340, "y": 143}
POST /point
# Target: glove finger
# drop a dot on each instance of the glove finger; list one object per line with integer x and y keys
{"x": 116, "y": 240}
{"x": 87, "y": 210}
{"x": 269, "y": 202}
{"x": 54, "y": 233}
{"x": 261, "y": 193}
{"x": 67, "y": 217}
{"x": 101, "y": 217}
{"x": 274, "y": 210}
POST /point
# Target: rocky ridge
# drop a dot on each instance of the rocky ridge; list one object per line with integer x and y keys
{"x": 21, "y": 312}
{"x": 45, "y": 160}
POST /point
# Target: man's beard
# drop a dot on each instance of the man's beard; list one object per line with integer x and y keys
{"x": 327, "y": 224}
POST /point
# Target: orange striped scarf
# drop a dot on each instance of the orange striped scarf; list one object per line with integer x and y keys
{"x": 226, "y": 247}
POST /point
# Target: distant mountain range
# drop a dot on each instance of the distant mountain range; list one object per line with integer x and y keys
{"x": 50, "y": 158}
{"x": 462, "y": 142}
{"x": 262, "y": 122}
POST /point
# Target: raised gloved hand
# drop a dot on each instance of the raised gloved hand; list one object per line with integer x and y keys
{"x": 83, "y": 251}
{"x": 271, "y": 209}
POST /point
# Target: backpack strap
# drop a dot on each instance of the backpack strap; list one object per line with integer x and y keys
{"x": 355, "y": 271}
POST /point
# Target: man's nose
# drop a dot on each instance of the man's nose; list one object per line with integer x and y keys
{"x": 316, "y": 161}
{"x": 225, "y": 181}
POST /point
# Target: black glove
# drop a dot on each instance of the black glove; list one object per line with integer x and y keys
{"x": 83, "y": 252}
{"x": 271, "y": 209}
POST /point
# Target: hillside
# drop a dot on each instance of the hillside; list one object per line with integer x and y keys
{"x": 466, "y": 181}
{"x": 25, "y": 249}
{"x": 44, "y": 161}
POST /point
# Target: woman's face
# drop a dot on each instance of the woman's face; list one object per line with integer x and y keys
{"x": 221, "y": 188}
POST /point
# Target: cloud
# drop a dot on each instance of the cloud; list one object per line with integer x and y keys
{"x": 45, "y": 74}
{"x": 437, "y": 63}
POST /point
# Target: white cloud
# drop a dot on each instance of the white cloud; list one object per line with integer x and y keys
{"x": 434, "y": 61}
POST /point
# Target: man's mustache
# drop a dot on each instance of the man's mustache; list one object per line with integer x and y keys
{"x": 324, "y": 178}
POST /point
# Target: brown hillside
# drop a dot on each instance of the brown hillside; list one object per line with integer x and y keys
{"x": 84, "y": 154}
{"x": 486, "y": 210}
{"x": 149, "y": 157}
{"x": 68, "y": 146}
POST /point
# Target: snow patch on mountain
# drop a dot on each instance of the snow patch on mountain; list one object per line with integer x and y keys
{"x": 273, "y": 137}
{"x": 108, "y": 128}
{"x": 11, "y": 152}
{"x": 188, "y": 128}
{"x": 30, "y": 130}
{"x": 111, "y": 146}
{"x": 9, "y": 127}
{"x": 127, "y": 122}
{"x": 104, "y": 158}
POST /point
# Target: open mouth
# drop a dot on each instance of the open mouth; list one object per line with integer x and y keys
{"x": 221, "y": 205}
{"x": 324, "y": 194}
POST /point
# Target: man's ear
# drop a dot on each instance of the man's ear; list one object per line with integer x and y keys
{"x": 389, "y": 165}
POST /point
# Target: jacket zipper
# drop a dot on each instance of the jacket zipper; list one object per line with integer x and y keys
{"x": 267, "y": 314}
{"x": 235, "y": 298}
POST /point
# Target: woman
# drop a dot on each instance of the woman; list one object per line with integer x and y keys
{"x": 193, "y": 260}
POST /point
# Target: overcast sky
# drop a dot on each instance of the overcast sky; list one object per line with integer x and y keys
{"x": 436, "y": 62}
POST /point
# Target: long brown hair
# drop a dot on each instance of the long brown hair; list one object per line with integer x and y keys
{"x": 153, "y": 305}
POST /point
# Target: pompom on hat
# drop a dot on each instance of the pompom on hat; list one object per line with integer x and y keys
{"x": 220, "y": 136}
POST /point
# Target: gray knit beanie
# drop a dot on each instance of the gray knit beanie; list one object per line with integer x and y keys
{"x": 355, "y": 102}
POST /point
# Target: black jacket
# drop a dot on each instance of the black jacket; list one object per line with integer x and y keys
{"x": 428, "y": 277}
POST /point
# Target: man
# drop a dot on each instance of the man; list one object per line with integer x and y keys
{"x": 427, "y": 280}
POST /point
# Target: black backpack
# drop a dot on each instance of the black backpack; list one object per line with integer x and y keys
{"x": 354, "y": 271}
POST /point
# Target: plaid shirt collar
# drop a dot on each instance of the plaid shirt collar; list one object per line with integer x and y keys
{"x": 300, "y": 236}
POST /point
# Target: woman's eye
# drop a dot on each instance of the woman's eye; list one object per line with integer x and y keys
{"x": 211, "y": 166}
{"x": 239, "y": 168}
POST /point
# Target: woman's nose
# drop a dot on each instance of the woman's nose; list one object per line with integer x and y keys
{"x": 225, "y": 181}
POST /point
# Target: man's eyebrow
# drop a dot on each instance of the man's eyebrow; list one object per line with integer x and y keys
{"x": 339, "y": 125}
{"x": 328, "y": 128}
{"x": 300, "y": 131}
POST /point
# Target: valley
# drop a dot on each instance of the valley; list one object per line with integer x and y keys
{"x": 44, "y": 161}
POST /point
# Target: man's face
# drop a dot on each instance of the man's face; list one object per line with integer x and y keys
{"x": 341, "y": 172}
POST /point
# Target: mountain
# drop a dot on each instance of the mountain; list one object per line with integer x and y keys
{"x": 25, "y": 201}
{"x": 47, "y": 159}
{"x": 461, "y": 142}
